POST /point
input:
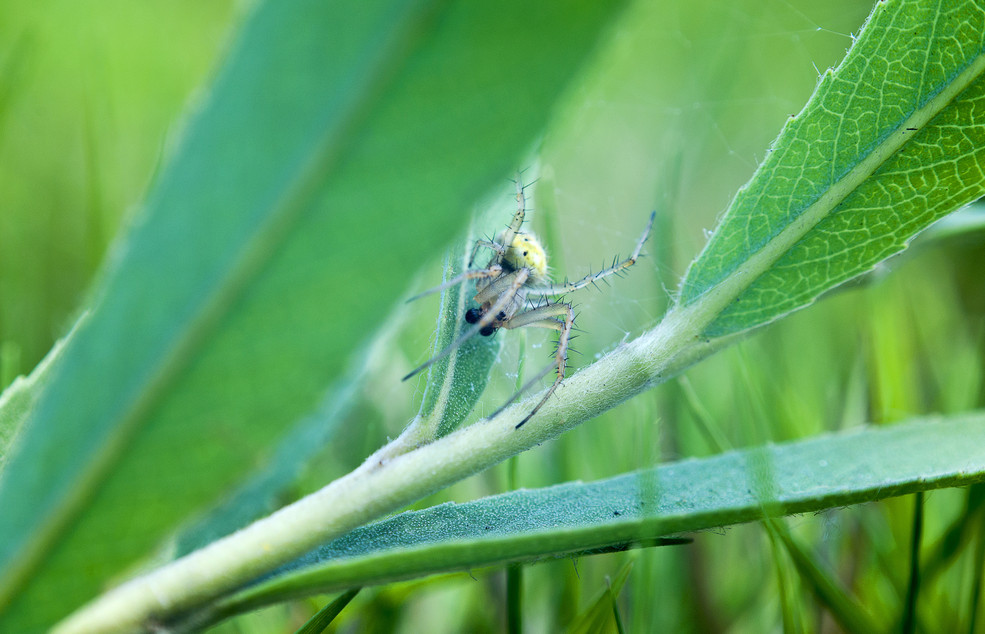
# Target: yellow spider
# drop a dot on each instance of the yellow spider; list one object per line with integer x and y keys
{"x": 516, "y": 273}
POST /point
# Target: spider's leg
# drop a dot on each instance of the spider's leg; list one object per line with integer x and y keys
{"x": 517, "y": 280}
{"x": 493, "y": 271}
{"x": 545, "y": 316}
{"x": 617, "y": 267}
{"x": 497, "y": 287}
{"x": 506, "y": 239}
{"x": 488, "y": 244}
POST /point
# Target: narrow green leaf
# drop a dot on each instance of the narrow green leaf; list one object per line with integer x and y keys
{"x": 603, "y": 609}
{"x": 820, "y": 473}
{"x": 975, "y": 600}
{"x": 514, "y": 599}
{"x": 849, "y": 614}
{"x": 335, "y": 133}
{"x": 455, "y": 383}
{"x": 789, "y": 607}
{"x": 325, "y": 616}
{"x": 891, "y": 140}
{"x": 909, "y": 617}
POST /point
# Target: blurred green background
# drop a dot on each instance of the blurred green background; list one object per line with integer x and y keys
{"x": 674, "y": 114}
{"x": 90, "y": 94}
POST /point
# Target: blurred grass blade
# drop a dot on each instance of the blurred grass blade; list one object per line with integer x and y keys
{"x": 336, "y": 135}
{"x": 603, "y": 611}
{"x": 891, "y": 140}
{"x": 810, "y": 475}
{"x": 14, "y": 74}
{"x": 960, "y": 535}
{"x": 789, "y": 607}
{"x": 514, "y": 599}
{"x": 325, "y": 616}
{"x": 975, "y": 600}
{"x": 849, "y": 614}
{"x": 909, "y": 619}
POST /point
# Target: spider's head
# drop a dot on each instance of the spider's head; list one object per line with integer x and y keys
{"x": 527, "y": 252}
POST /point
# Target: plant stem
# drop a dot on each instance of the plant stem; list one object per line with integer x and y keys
{"x": 386, "y": 482}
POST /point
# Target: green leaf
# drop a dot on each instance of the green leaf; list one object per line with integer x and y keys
{"x": 20, "y": 397}
{"x": 603, "y": 609}
{"x": 825, "y": 472}
{"x": 16, "y": 404}
{"x": 327, "y": 614}
{"x": 455, "y": 383}
{"x": 727, "y": 280}
{"x": 825, "y": 585}
{"x": 262, "y": 490}
{"x": 335, "y": 133}
{"x": 891, "y": 140}
{"x": 967, "y": 223}
{"x": 265, "y": 486}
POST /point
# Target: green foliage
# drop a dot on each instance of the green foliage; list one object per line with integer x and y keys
{"x": 298, "y": 167}
{"x": 317, "y": 623}
{"x": 603, "y": 609}
{"x": 19, "y": 399}
{"x": 456, "y": 382}
{"x": 635, "y": 509}
{"x": 247, "y": 318}
{"x": 890, "y": 142}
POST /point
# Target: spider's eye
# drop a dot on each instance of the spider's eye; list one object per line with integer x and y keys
{"x": 473, "y": 315}
{"x": 501, "y": 316}
{"x": 487, "y": 330}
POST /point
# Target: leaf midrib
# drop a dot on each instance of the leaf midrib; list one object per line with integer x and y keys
{"x": 256, "y": 252}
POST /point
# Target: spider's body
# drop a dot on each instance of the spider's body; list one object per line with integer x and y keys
{"x": 525, "y": 253}
{"x": 516, "y": 272}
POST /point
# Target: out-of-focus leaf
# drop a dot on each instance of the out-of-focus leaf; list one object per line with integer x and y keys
{"x": 327, "y": 614}
{"x": 260, "y": 493}
{"x": 21, "y": 395}
{"x": 336, "y": 133}
{"x": 849, "y": 614}
{"x": 601, "y": 610}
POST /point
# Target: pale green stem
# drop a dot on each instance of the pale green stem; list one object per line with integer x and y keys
{"x": 387, "y": 482}
{"x": 399, "y": 474}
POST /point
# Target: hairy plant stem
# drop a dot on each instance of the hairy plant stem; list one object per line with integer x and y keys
{"x": 396, "y": 475}
{"x": 403, "y": 472}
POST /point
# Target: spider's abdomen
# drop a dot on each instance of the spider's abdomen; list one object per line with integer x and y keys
{"x": 526, "y": 251}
